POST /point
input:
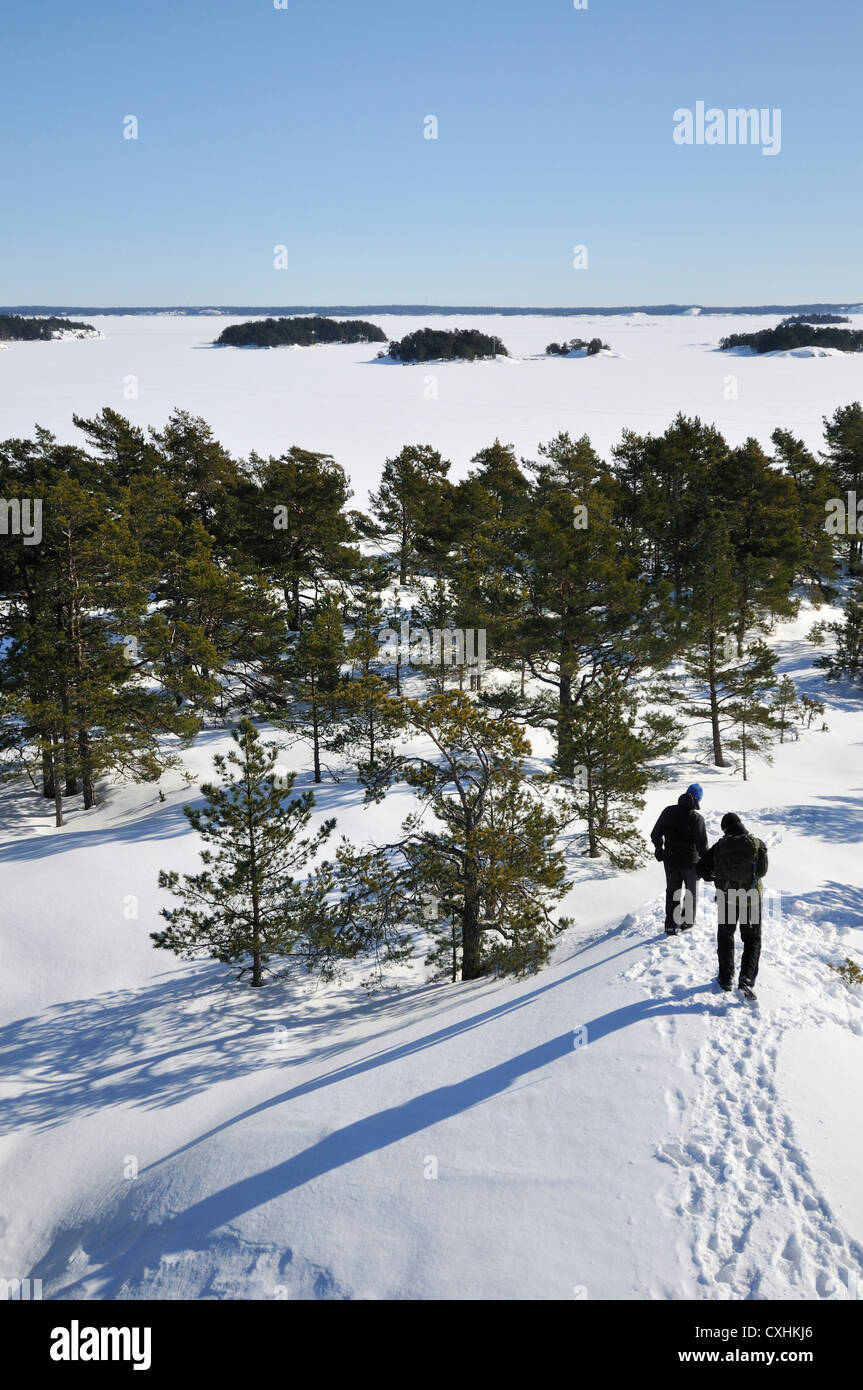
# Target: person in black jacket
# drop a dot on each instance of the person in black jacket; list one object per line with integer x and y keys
{"x": 679, "y": 840}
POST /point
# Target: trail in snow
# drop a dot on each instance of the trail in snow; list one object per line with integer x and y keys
{"x": 753, "y": 1221}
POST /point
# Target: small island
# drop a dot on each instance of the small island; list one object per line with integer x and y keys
{"x": 798, "y": 332}
{"x": 15, "y": 328}
{"x": 816, "y": 318}
{"x": 444, "y": 345}
{"x": 303, "y": 330}
{"x": 577, "y": 346}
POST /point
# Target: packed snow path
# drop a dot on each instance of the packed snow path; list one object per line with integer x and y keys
{"x": 751, "y": 1211}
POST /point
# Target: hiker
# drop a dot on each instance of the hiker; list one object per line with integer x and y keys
{"x": 736, "y": 864}
{"x": 679, "y": 839}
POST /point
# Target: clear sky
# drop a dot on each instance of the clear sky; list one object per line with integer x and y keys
{"x": 304, "y": 127}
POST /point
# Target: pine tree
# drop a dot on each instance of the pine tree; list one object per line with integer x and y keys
{"x": 488, "y": 850}
{"x": 313, "y": 668}
{"x": 843, "y": 431}
{"x": 367, "y": 718}
{"x": 364, "y": 712}
{"x": 815, "y": 487}
{"x": 298, "y": 529}
{"x": 759, "y": 507}
{"x": 207, "y": 481}
{"x": 666, "y": 483}
{"x": 249, "y": 904}
{"x": 75, "y": 604}
{"x": 809, "y": 709}
{"x": 749, "y": 711}
{"x": 212, "y": 624}
{"x": 411, "y": 488}
{"x": 585, "y": 607}
{"x": 786, "y": 706}
{"x": 433, "y": 612}
{"x": 847, "y": 659}
{"x": 613, "y": 747}
{"x": 486, "y": 569}
{"x": 711, "y": 653}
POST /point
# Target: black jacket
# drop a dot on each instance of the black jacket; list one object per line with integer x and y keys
{"x": 680, "y": 834}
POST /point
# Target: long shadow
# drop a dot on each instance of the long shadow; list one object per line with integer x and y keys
{"x": 77, "y": 1046}
{"x": 353, "y": 1142}
{"x": 386, "y": 1055}
{"x": 839, "y": 821}
{"x": 839, "y": 903}
{"x": 795, "y": 659}
{"x": 163, "y": 823}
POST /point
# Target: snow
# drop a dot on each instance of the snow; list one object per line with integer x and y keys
{"x": 338, "y": 398}
{"x": 809, "y": 351}
{"x": 609, "y": 1128}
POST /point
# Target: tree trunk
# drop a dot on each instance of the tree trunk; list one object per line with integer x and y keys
{"x": 471, "y": 934}
{"x": 714, "y": 707}
{"x": 86, "y": 769}
{"x": 471, "y": 931}
{"x": 69, "y": 758}
{"x": 47, "y": 771}
{"x": 257, "y": 941}
{"x": 592, "y": 845}
{"x": 565, "y": 753}
{"x": 403, "y": 557}
{"x": 58, "y": 795}
{"x": 316, "y": 746}
{"x": 295, "y": 604}
{"x": 257, "y": 954}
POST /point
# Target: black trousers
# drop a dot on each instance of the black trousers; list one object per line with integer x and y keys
{"x": 681, "y": 896}
{"x": 745, "y": 910}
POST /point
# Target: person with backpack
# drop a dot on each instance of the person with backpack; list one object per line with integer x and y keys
{"x": 736, "y": 864}
{"x": 679, "y": 839}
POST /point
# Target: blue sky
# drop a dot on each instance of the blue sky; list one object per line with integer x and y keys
{"x": 303, "y": 127}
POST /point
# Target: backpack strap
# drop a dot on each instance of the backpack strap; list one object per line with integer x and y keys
{"x": 755, "y": 849}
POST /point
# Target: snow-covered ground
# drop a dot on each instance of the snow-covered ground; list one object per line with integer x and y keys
{"x": 340, "y": 399}
{"x": 610, "y": 1128}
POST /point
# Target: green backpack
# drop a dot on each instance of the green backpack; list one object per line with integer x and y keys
{"x": 735, "y": 862}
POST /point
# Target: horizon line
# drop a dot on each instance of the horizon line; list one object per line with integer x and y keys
{"x": 244, "y": 310}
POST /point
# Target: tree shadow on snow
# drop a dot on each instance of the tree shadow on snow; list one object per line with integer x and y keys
{"x": 157, "y": 1046}
{"x": 355, "y": 1141}
{"x": 840, "y": 819}
{"x": 840, "y": 904}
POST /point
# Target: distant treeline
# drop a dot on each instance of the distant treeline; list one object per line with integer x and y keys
{"x": 795, "y": 335}
{"x": 438, "y": 344}
{"x": 16, "y": 328}
{"x": 817, "y": 318}
{"x": 423, "y": 310}
{"x": 299, "y": 332}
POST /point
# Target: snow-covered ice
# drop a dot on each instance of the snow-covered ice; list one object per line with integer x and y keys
{"x": 340, "y": 399}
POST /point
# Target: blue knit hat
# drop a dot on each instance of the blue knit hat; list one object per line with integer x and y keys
{"x": 695, "y": 790}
